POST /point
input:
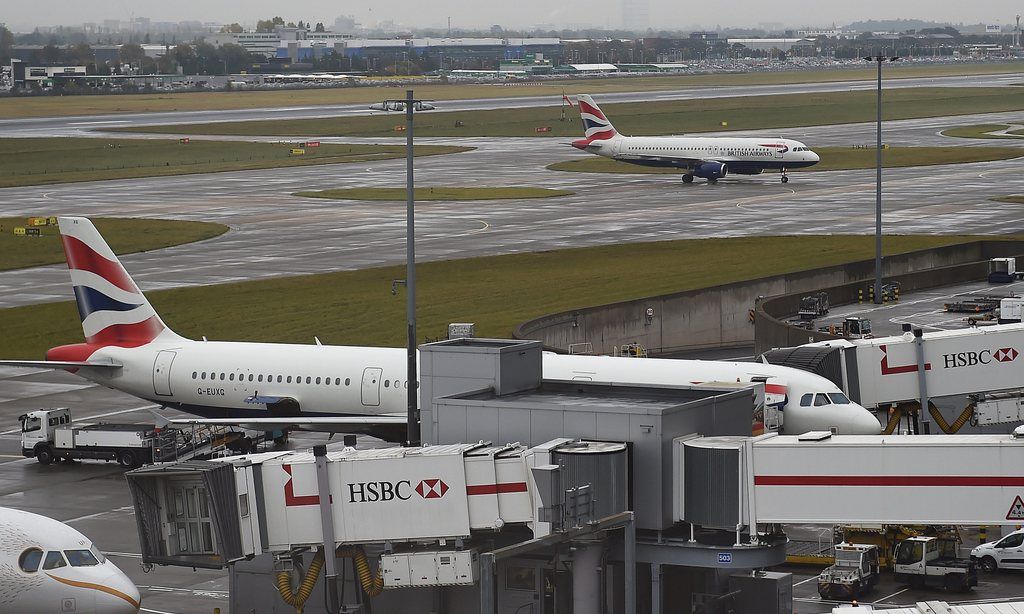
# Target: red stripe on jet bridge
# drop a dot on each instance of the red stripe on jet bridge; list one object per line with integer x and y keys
{"x": 889, "y": 480}
{"x": 495, "y": 489}
{"x": 587, "y": 108}
{"x": 128, "y": 335}
{"x": 84, "y": 258}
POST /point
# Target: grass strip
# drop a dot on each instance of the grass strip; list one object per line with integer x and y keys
{"x": 124, "y": 235}
{"x": 832, "y": 159}
{"x": 435, "y": 193}
{"x": 495, "y": 292}
{"x": 54, "y": 106}
{"x": 61, "y": 160}
{"x": 644, "y": 118}
{"x": 980, "y": 131}
{"x": 1017, "y": 200}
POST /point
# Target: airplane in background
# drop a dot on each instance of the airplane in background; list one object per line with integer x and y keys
{"x": 270, "y": 386}
{"x": 710, "y": 158}
{"x": 47, "y": 566}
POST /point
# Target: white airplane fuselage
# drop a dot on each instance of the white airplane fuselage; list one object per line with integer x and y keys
{"x": 48, "y": 566}
{"x": 215, "y": 379}
{"x": 740, "y": 155}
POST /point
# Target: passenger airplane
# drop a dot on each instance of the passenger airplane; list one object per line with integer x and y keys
{"x": 710, "y": 158}
{"x": 46, "y": 566}
{"x": 335, "y": 388}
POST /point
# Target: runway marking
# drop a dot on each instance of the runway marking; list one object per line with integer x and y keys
{"x": 89, "y": 418}
{"x": 98, "y": 514}
{"x": 893, "y": 595}
{"x": 806, "y": 581}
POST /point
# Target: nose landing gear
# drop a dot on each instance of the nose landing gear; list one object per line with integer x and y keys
{"x": 785, "y": 177}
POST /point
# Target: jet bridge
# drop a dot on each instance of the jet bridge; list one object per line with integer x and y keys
{"x": 820, "y": 478}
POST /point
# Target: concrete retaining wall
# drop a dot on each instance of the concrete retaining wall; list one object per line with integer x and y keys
{"x": 719, "y": 316}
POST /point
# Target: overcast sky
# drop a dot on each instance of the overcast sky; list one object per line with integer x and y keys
{"x": 669, "y": 14}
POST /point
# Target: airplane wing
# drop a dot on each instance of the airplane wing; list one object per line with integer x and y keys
{"x": 59, "y": 364}
{"x": 320, "y": 424}
{"x": 678, "y": 161}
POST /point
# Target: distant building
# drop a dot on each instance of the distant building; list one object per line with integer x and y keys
{"x": 345, "y": 24}
{"x": 704, "y": 36}
{"x": 773, "y": 44}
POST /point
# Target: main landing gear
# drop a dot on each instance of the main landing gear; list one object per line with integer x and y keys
{"x": 785, "y": 177}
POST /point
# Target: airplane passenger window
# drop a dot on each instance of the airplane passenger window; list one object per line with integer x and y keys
{"x": 805, "y": 401}
{"x": 54, "y": 560}
{"x": 259, "y": 378}
{"x": 289, "y": 380}
{"x": 222, "y": 377}
{"x": 81, "y": 558}
{"x": 279, "y": 379}
{"x": 194, "y": 375}
{"x": 337, "y": 381}
{"x": 347, "y": 380}
{"x": 29, "y": 559}
{"x": 231, "y": 377}
{"x": 202, "y": 375}
{"x": 820, "y": 399}
{"x": 309, "y": 379}
{"x": 386, "y": 382}
{"x": 250, "y": 377}
{"x": 318, "y": 380}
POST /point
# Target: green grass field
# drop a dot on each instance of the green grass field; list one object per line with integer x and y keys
{"x": 980, "y": 131}
{"x": 497, "y": 292}
{"x": 646, "y": 118}
{"x": 61, "y": 160}
{"x": 198, "y": 101}
{"x": 123, "y": 235}
{"x": 1017, "y": 200}
{"x": 832, "y": 159}
{"x": 438, "y": 193}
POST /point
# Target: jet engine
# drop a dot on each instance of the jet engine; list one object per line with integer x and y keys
{"x": 711, "y": 170}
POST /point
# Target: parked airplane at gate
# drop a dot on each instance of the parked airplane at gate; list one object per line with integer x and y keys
{"x": 335, "y": 388}
{"x": 710, "y": 158}
{"x": 46, "y": 566}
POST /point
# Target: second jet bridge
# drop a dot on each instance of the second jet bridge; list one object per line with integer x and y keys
{"x": 819, "y": 478}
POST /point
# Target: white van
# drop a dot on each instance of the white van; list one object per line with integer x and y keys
{"x": 1006, "y": 553}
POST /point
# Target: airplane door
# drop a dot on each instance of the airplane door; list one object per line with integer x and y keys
{"x": 371, "y": 386}
{"x": 162, "y": 373}
{"x": 780, "y": 150}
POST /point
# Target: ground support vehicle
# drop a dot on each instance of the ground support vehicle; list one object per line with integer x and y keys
{"x": 931, "y": 561}
{"x": 855, "y": 572}
{"x": 48, "y": 435}
{"x": 1005, "y": 553}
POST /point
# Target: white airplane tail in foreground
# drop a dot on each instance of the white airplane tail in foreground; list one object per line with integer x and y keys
{"x": 710, "y": 158}
{"x": 335, "y": 388}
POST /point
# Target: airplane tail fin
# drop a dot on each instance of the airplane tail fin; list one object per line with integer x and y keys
{"x": 596, "y": 125}
{"x": 113, "y": 309}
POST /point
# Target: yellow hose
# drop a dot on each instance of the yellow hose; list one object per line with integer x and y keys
{"x": 297, "y": 599}
{"x": 372, "y": 585}
{"x": 900, "y": 410}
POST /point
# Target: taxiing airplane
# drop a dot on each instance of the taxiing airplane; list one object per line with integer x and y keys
{"x": 710, "y": 158}
{"x": 47, "y": 566}
{"x": 265, "y": 386}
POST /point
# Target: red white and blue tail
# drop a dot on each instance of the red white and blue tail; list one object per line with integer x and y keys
{"x": 595, "y": 125}
{"x": 113, "y": 309}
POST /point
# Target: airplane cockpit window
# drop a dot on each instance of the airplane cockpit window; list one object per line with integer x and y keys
{"x": 805, "y": 401}
{"x": 821, "y": 399}
{"x": 81, "y": 558}
{"x": 96, "y": 553}
{"x": 29, "y": 560}
{"x": 839, "y": 398}
{"x": 54, "y": 560}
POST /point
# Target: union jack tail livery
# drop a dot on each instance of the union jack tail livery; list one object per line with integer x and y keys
{"x": 595, "y": 124}
{"x": 113, "y": 309}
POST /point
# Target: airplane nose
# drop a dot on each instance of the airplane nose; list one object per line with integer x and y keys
{"x": 865, "y": 423}
{"x": 121, "y": 596}
{"x": 814, "y": 157}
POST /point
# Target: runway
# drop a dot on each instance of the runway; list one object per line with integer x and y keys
{"x": 83, "y": 125}
{"x": 275, "y": 234}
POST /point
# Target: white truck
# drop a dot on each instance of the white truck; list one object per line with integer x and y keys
{"x": 48, "y": 435}
{"x": 854, "y": 572}
{"x": 932, "y": 561}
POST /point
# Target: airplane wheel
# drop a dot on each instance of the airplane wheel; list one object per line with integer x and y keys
{"x": 687, "y": 178}
{"x": 785, "y": 179}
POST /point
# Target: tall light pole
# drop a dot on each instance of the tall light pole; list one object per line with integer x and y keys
{"x": 878, "y": 59}
{"x": 409, "y": 105}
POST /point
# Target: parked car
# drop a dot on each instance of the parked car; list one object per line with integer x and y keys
{"x": 1005, "y": 553}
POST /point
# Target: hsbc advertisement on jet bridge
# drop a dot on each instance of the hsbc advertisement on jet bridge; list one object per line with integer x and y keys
{"x": 373, "y": 499}
{"x": 955, "y": 362}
